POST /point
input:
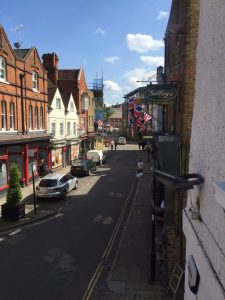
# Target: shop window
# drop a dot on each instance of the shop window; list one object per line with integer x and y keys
{"x": 16, "y": 158}
{"x": 13, "y": 149}
{"x": 12, "y": 116}
{"x": 3, "y": 172}
{"x": 2, "y": 69}
{"x": 32, "y": 162}
{"x": 3, "y": 151}
{"x": 3, "y": 115}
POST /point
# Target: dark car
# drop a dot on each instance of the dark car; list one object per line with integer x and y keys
{"x": 82, "y": 167}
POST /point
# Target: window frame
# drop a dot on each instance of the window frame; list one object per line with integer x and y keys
{"x": 58, "y": 103}
{"x": 53, "y": 132}
{"x": 12, "y": 116}
{"x": 61, "y": 128}
{"x": 41, "y": 119}
{"x": 30, "y": 125}
{"x": 35, "y": 81}
{"x": 3, "y": 115}
{"x": 3, "y": 68}
{"x": 68, "y": 126}
{"x": 35, "y": 117}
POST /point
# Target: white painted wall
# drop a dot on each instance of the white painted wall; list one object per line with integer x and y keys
{"x": 207, "y": 154}
{"x": 72, "y": 117}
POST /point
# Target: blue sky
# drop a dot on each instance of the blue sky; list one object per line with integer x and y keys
{"x": 121, "y": 40}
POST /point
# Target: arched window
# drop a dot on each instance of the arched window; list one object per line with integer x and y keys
{"x": 12, "y": 116}
{"x": 36, "y": 117}
{"x": 3, "y": 115}
{"x": 41, "y": 118}
{"x": 30, "y": 117}
{"x": 2, "y": 69}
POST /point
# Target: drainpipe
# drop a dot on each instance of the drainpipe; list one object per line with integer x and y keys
{"x": 22, "y": 104}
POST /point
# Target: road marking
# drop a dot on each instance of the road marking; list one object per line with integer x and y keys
{"x": 108, "y": 221}
{"x": 15, "y": 232}
{"x": 98, "y": 218}
{"x": 2, "y": 239}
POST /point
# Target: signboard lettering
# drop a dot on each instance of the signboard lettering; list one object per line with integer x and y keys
{"x": 160, "y": 94}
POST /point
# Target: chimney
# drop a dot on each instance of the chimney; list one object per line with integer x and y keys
{"x": 50, "y": 63}
{"x": 160, "y": 75}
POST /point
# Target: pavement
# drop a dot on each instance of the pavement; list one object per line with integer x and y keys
{"x": 129, "y": 276}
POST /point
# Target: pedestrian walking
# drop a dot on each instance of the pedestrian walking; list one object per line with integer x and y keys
{"x": 143, "y": 144}
{"x": 139, "y": 145}
{"x": 116, "y": 144}
{"x": 112, "y": 144}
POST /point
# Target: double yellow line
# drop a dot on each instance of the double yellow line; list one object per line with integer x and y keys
{"x": 107, "y": 251}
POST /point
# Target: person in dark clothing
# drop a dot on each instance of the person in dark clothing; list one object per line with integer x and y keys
{"x": 143, "y": 144}
{"x": 139, "y": 145}
{"x": 116, "y": 144}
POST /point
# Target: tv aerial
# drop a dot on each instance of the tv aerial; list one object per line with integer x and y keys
{"x": 18, "y": 29}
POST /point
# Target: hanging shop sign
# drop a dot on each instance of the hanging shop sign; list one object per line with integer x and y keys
{"x": 160, "y": 94}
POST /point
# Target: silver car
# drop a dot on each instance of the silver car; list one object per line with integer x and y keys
{"x": 122, "y": 140}
{"x": 56, "y": 185}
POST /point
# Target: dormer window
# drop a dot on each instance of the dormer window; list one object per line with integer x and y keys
{"x": 58, "y": 103}
{"x": 2, "y": 69}
{"x": 35, "y": 81}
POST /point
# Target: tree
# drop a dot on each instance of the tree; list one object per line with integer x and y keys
{"x": 14, "y": 193}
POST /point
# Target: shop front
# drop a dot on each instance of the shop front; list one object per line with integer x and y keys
{"x": 27, "y": 153}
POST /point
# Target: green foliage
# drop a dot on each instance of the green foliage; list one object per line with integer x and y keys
{"x": 14, "y": 193}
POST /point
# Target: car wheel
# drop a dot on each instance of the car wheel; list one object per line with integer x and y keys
{"x": 76, "y": 185}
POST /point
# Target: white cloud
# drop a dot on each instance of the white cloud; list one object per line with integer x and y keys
{"x": 112, "y": 59}
{"x": 142, "y": 43}
{"x": 162, "y": 15}
{"x": 111, "y": 86}
{"x": 133, "y": 76}
{"x": 99, "y": 31}
{"x": 153, "y": 60}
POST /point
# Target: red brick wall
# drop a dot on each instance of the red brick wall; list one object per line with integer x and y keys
{"x": 11, "y": 90}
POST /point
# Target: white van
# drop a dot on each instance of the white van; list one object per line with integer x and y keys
{"x": 96, "y": 156}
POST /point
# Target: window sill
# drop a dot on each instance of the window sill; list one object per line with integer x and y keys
{"x": 3, "y": 81}
{"x": 36, "y": 91}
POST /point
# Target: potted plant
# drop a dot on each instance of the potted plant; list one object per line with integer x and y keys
{"x": 13, "y": 209}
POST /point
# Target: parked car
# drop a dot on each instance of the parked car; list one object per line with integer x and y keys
{"x": 56, "y": 185}
{"x": 122, "y": 140}
{"x": 96, "y": 156}
{"x": 83, "y": 167}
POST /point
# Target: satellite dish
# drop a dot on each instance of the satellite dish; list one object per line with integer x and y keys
{"x": 17, "y": 45}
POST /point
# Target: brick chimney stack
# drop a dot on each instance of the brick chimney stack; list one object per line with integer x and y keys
{"x": 50, "y": 63}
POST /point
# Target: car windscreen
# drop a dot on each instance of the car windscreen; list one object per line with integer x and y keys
{"x": 80, "y": 163}
{"x": 48, "y": 182}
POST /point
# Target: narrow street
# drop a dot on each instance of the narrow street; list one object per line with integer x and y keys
{"x": 57, "y": 258}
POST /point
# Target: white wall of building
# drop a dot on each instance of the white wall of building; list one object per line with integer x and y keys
{"x": 57, "y": 116}
{"x": 72, "y": 118}
{"x": 206, "y": 235}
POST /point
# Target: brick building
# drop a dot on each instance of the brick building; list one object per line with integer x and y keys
{"x": 23, "y": 108}
{"x": 180, "y": 69}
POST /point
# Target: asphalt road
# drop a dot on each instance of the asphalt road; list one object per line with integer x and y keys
{"x": 57, "y": 259}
